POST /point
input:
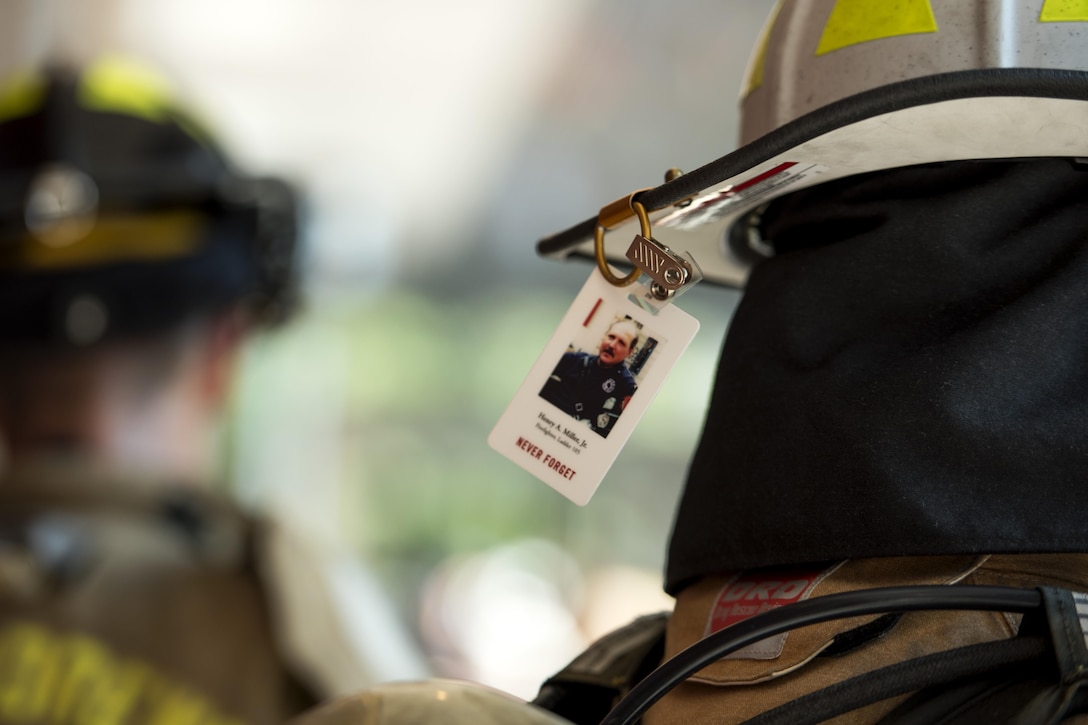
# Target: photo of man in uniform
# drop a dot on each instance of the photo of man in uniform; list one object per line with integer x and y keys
{"x": 594, "y": 389}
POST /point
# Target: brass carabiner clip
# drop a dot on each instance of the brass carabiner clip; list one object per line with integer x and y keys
{"x": 611, "y": 216}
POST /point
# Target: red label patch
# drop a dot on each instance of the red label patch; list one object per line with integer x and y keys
{"x": 753, "y": 593}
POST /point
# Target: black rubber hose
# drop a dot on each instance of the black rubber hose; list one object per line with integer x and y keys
{"x": 813, "y": 611}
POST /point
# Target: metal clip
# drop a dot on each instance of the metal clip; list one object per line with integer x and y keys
{"x": 668, "y": 270}
{"x": 610, "y": 216}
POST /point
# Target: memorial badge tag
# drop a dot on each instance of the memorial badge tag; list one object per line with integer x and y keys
{"x": 592, "y": 383}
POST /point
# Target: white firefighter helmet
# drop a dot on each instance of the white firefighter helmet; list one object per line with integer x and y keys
{"x": 449, "y": 702}
{"x": 813, "y": 53}
{"x": 843, "y": 87}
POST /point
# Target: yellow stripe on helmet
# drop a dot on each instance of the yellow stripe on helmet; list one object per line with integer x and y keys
{"x": 115, "y": 84}
{"x": 113, "y": 239}
{"x": 21, "y": 94}
{"x": 754, "y": 76}
{"x": 858, "y": 21}
{"x": 1064, "y": 11}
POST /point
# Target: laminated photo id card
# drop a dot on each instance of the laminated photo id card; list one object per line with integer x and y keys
{"x": 591, "y": 385}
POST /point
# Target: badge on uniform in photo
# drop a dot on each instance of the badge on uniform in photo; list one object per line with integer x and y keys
{"x": 595, "y": 379}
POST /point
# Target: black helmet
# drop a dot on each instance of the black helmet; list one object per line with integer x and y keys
{"x": 119, "y": 216}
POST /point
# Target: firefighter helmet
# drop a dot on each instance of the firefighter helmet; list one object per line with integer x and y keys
{"x": 120, "y": 216}
{"x": 843, "y": 87}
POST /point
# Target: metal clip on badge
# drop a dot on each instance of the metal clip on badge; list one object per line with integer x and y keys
{"x": 667, "y": 270}
{"x": 610, "y": 216}
{"x": 539, "y": 431}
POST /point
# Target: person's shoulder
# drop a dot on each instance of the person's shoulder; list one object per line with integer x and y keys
{"x": 574, "y": 358}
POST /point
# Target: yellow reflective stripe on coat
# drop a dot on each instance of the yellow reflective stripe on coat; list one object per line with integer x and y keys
{"x": 51, "y": 678}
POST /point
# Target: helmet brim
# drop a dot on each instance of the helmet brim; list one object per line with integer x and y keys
{"x": 1002, "y": 113}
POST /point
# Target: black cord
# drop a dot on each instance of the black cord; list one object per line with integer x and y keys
{"x": 904, "y": 677}
{"x": 813, "y": 611}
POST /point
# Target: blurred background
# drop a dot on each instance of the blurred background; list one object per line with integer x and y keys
{"x": 435, "y": 143}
